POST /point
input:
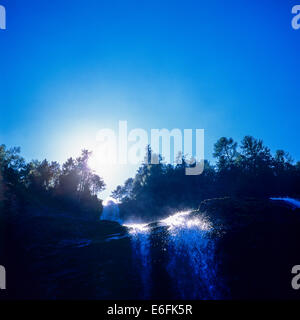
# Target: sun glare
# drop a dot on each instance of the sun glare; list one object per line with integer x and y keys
{"x": 108, "y": 200}
{"x": 105, "y": 170}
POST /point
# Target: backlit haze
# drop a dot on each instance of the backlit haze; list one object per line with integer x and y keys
{"x": 71, "y": 68}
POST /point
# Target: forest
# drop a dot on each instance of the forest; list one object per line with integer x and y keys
{"x": 240, "y": 170}
{"x": 49, "y": 224}
{"x": 248, "y": 169}
{"x": 72, "y": 186}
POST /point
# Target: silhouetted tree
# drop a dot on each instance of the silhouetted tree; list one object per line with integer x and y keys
{"x": 225, "y": 150}
{"x": 245, "y": 170}
{"x": 74, "y": 184}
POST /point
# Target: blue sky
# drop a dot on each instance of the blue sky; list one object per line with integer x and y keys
{"x": 69, "y": 68}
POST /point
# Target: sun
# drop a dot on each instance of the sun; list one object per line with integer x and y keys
{"x": 105, "y": 169}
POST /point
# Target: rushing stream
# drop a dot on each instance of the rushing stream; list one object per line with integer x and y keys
{"x": 175, "y": 257}
{"x": 181, "y": 251}
{"x": 293, "y": 202}
{"x": 141, "y": 244}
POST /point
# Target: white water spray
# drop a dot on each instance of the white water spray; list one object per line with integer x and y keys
{"x": 140, "y": 242}
{"x": 190, "y": 252}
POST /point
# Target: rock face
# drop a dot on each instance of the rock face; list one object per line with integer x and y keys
{"x": 257, "y": 246}
{"x": 231, "y": 213}
{"x": 249, "y": 253}
{"x": 55, "y": 256}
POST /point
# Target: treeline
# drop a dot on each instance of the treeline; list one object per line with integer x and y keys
{"x": 73, "y": 186}
{"x": 245, "y": 170}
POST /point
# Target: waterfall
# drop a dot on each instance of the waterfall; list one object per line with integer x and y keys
{"x": 189, "y": 251}
{"x": 140, "y": 242}
{"x": 293, "y": 202}
{"x": 111, "y": 211}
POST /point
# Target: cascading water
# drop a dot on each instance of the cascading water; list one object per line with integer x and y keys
{"x": 140, "y": 242}
{"x": 293, "y": 202}
{"x": 176, "y": 258}
{"x": 111, "y": 211}
{"x": 191, "y": 254}
{"x": 177, "y": 252}
{"x": 189, "y": 251}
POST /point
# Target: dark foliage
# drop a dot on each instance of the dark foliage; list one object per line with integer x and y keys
{"x": 73, "y": 186}
{"x": 246, "y": 170}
